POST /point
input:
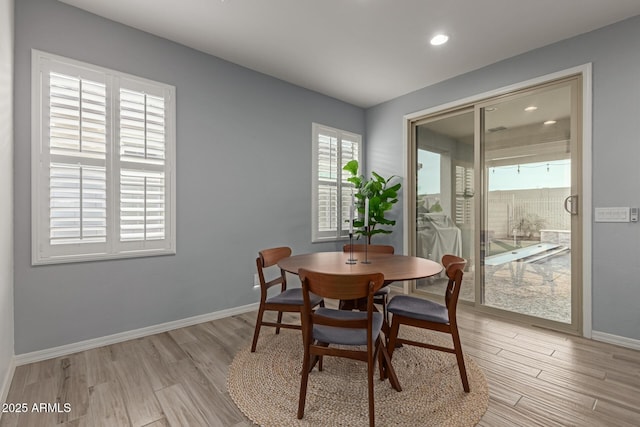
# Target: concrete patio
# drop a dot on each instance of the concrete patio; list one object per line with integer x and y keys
{"x": 531, "y": 295}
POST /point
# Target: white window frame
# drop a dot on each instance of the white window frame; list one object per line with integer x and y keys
{"x": 339, "y": 233}
{"x": 43, "y": 251}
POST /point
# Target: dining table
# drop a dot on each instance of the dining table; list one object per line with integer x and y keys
{"x": 395, "y": 268}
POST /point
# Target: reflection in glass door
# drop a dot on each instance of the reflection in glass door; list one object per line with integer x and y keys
{"x": 528, "y": 146}
{"x": 444, "y": 185}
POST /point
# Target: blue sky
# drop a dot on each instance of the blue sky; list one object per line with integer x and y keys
{"x": 553, "y": 174}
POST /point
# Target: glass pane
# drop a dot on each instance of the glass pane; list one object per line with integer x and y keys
{"x": 527, "y": 232}
{"x": 445, "y": 195}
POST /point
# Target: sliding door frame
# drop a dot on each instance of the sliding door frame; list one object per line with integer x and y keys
{"x": 585, "y": 202}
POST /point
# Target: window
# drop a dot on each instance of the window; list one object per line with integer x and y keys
{"x": 103, "y": 163}
{"x": 332, "y": 149}
{"x": 464, "y": 194}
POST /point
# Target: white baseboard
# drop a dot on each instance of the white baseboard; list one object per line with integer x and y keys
{"x": 615, "y": 339}
{"x": 50, "y": 353}
{"x": 5, "y": 382}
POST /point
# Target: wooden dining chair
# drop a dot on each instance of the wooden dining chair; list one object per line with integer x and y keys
{"x": 381, "y": 297}
{"x": 325, "y": 328}
{"x": 287, "y": 300}
{"x": 421, "y": 313}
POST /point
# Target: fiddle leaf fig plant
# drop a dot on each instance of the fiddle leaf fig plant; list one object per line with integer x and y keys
{"x": 382, "y": 195}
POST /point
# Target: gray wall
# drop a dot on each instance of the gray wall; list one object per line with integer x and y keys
{"x": 243, "y": 183}
{"x": 615, "y": 54}
{"x": 6, "y": 191}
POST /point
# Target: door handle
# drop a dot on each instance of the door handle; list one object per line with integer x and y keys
{"x": 571, "y": 204}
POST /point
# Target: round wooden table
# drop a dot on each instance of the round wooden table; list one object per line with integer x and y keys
{"x": 394, "y": 267}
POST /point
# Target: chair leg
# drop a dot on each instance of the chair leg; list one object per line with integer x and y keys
{"x": 370, "y": 367}
{"x": 383, "y": 300}
{"x": 279, "y": 321}
{"x": 256, "y": 332}
{"x": 385, "y": 313}
{"x": 389, "y": 371}
{"x": 304, "y": 379}
{"x": 381, "y": 365}
{"x": 458, "y": 348}
{"x": 317, "y": 359}
{"x": 393, "y": 335}
{"x": 321, "y": 358}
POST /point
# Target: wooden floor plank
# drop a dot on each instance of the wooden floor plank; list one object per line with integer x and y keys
{"x": 138, "y": 395}
{"x": 155, "y": 365}
{"x": 72, "y": 387}
{"x": 501, "y": 415}
{"x": 617, "y": 412}
{"x": 99, "y": 365}
{"x": 537, "y": 389}
{"x": 178, "y": 407}
{"x": 202, "y": 393}
{"x": 545, "y": 363}
{"x": 575, "y": 415}
{"x": 42, "y": 391}
{"x": 624, "y": 395}
{"x": 108, "y": 409}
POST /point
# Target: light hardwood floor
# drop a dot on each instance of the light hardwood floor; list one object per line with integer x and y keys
{"x": 178, "y": 378}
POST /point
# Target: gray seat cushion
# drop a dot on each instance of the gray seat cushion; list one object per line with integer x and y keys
{"x": 382, "y": 291}
{"x": 418, "y": 308}
{"x": 294, "y": 297}
{"x": 345, "y": 336}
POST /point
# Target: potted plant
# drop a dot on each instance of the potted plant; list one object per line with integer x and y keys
{"x": 529, "y": 225}
{"x": 382, "y": 195}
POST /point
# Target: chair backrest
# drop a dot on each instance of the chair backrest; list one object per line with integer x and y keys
{"x": 268, "y": 258}
{"x": 381, "y": 249}
{"x": 454, "y": 268}
{"x": 341, "y": 287}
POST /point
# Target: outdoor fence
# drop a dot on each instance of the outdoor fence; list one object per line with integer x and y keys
{"x": 527, "y": 211}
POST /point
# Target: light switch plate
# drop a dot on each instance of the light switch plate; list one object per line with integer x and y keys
{"x": 612, "y": 214}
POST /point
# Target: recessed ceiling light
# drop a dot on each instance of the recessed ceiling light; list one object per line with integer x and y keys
{"x": 550, "y": 122}
{"x": 439, "y": 39}
{"x": 531, "y": 108}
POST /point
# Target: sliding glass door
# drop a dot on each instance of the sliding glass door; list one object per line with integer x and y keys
{"x": 528, "y": 152}
{"x": 496, "y": 182}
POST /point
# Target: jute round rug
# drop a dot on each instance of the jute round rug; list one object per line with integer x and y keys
{"x": 265, "y": 385}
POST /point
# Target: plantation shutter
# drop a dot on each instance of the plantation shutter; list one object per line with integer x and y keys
{"x": 327, "y": 181}
{"x": 464, "y": 194}
{"x": 333, "y": 149}
{"x": 350, "y": 150}
{"x": 142, "y": 165}
{"x": 76, "y": 163}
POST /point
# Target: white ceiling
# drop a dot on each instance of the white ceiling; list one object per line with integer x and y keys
{"x": 363, "y": 51}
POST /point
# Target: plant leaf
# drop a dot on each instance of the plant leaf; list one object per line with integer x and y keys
{"x": 379, "y": 178}
{"x": 351, "y": 166}
{"x": 356, "y": 180}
